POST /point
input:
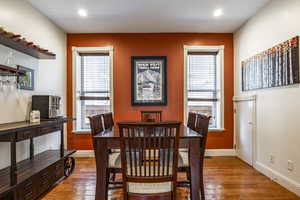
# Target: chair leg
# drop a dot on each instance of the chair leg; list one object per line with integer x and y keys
{"x": 174, "y": 192}
{"x": 202, "y": 187}
{"x": 113, "y": 178}
{"x": 188, "y": 174}
{"x": 125, "y": 194}
{"x": 107, "y": 184}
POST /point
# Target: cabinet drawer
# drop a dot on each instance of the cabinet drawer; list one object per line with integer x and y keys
{"x": 45, "y": 180}
{"x": 58, "y": 170}
{"x": 49, "y": 129}
{"x": 8, "y": 196}
{"x": 26, "y": 191}
{"x": 26, "y": 134}
{"x": 40, "y": 182}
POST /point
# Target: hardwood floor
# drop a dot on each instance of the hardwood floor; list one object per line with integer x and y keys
{"x": 226, "y": 178}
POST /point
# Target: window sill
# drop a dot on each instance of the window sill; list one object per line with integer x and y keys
{"x": 216, "y": 130}
{"x": 81, "y": 132}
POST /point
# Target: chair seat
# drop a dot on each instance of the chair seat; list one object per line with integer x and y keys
{"x": 149, "y": 188}
{"x": 183, "y": 159}
{"x": 114, "y": 160}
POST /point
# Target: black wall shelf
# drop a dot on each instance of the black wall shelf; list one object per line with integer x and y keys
{"x": 15, "y": 42}
{"x": 10, "y": 71}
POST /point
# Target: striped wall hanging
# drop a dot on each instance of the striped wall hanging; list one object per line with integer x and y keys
{"x": 278, "y": 66}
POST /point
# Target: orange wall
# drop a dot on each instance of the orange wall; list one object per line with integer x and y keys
{"x": 170, "y": 45}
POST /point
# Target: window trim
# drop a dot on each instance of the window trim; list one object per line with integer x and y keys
{"x": 220, "y": 77}
{"x": 90, "y": 50}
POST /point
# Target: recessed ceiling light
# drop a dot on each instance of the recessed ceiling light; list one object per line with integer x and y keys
{"x": 82, "y": 13}
{"x": 218, "y": 12}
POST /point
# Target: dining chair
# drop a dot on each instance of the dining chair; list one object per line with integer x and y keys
{"x": 108, "y": 124}
{"x": 155, "y": 178}
{"x": 191, "y": 123}
{"x": 151, "y": 116}
{"x": 114, "y": 160}
{"x": 108, "y": 120}
{"x": 201, "y": 127}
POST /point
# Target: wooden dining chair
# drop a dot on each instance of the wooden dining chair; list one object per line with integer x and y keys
{"x": 114, "y": 159}
{"x": 108, "y": 120}
{"x": 151, "y": 116}
{"x": 191, "y": 123}
{"x": 201, "y": 127}
{"x": 192, "y": 117}
{"x": 155, "y": 178}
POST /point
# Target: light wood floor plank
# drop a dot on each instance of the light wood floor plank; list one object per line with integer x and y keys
{"x": 226, "y": 178}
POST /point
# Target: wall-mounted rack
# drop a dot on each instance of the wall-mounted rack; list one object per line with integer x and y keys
{"x": 20, "y": 44}
{"x": 10, "y": 71}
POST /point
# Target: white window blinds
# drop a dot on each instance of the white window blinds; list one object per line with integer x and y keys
{"x": 94, "y": 87}
{"x": 202, "y": 77}
{"x": 95, "y": 77}
{"x": 202, "y": 84}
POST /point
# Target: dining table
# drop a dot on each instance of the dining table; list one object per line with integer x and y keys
{"x": 110, "y": 139}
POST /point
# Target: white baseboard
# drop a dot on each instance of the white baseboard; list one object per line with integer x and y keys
{"x": 84, "y": 153}
{"x": 278, "y": 178}
{"x": 209, "y": 152}
{"x": 220, "y": 152}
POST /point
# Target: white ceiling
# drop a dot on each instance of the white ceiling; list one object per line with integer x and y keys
{"x": 148, "y": 16}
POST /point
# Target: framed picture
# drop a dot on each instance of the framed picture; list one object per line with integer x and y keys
{"x": 149, "y": 80}
{"x": 26, "y": 82}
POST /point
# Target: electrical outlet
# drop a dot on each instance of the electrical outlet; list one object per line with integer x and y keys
{"x": 290, "y": 166}
{"x": 272, "y": 159}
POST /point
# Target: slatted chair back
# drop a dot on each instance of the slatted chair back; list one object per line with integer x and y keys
{"x": 108, "y": 120}
{"x": 96, "y": 125}
{"x": 192, "y": 117}
{"x": 149, "y": 152}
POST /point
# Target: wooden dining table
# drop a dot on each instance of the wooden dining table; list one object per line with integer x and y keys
{"x": 110, "y": 139}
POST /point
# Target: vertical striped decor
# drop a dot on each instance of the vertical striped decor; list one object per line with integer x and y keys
{"x": 275, "y": 67}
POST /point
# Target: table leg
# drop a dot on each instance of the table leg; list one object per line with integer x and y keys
{"x": 195, "y": 166}
{"x": 62, "y": 144}
{"x": 31, "y": 148}
{"x": 101, "y": 167}
{"x": 13, "y": 165}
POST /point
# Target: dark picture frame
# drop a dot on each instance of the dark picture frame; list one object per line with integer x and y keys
{"x": 26, "y": 82}
{"x": 148, "y": 80}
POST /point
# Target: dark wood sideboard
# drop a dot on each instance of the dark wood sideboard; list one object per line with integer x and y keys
{"x": 28, "y": 179}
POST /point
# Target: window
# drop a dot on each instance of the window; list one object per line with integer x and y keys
{"x": 203, "y": 86}
{"x": 93, "y": 87}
